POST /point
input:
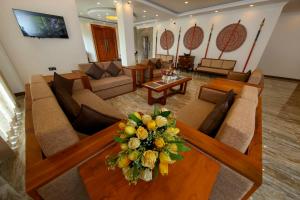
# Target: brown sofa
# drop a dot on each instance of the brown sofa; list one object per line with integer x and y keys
{"x": 166, "y": 60}
{"x": 216, "y": 66}
{"x": 108, "y": 86}
{"x": 240, "y": 132}
{"x": 48, "y": 132}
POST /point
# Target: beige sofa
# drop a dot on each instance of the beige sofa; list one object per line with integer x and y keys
{"x": 216, "y": 66}
{"x": 237, "y": 132}
{"x": 107, "y": 86}
{"x": 54, "y": 133}
{"x": 166, "y": 60}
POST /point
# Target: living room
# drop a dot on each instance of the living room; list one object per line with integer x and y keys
{"x": 117, "y": 99}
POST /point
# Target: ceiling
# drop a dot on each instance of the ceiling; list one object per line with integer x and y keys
{"x": 179, "y": 6}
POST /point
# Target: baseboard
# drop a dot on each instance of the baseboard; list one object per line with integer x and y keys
{"x": 19, "y": 94}
{"x": 283, "y": 78}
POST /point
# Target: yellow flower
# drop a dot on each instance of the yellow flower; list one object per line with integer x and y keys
{"x": 172, "y": 148}
{"x": 142, "y": 133}
{"x": 161, "y": 121}
{"x": 124, "y": 146}
{"x": 172, "y": 131}
{"x": 149, "y": 159}
{"x": 122, "y": 125}
{"x": 151, "y": 125}
{"x": 164, "y": 157}
{"x": 133, "y": 155}
{"x": 129, "y": 130}
{"x": 159, "y": 142}
{"x": 134, "y": 143}
{"x": 163, "y": 168}
{"x": 146, "y": 119}
{"x": 123, "y": 162}
{"x": 138, "y": 115}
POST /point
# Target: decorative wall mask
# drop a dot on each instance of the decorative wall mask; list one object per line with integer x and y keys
{"x": 167, "y": 40}
{"x": 193, "y": 38}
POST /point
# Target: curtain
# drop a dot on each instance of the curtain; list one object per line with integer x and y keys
{"x": 7, "y": 109}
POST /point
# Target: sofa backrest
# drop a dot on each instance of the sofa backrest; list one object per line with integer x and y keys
{"x": 218, "y": 63}
{"x": 52, "y": 129}
{"x": 238, "y": 127}
{"x": 84, "y": 67}
{"x": 165, "y": 58}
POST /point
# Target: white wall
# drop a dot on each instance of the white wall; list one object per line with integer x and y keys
{"x": 282, "y": 55}
{"x": 34, "y": 56}
{"x": 85, "y": 25}
{"x": 251, "y": 18}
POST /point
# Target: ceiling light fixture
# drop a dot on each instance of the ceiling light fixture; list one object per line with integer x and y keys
{"x": 115, "y": 1}
{"x": 112, "y": 17}
{"x": 156, "y": 15}
{"x": 98, "y": 3}
{"x": 186, "y": 2}
{"x": 216, "y": 11}
{"x": 145, "y": 11}
{"x": 251, "y": 5}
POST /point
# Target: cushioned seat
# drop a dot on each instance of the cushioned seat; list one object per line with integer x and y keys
{"x": 40, "y": 90}
{"x": 212, "y": 70}
{"x": 92, "y": 100}
{"x": 109, "y": 82}
{"x": 195, "y": 112}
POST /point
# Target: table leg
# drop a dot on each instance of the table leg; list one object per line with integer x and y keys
{"x": 164, "y": 98}
{"x": 142, "y": 76}
{"x": 184, "y": 87}
{"x": 150, "y": 98}
{"x": 86, "y": 82}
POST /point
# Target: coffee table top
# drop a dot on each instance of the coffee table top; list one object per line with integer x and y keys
{"x": 159, "y": 85}
{"x": 191, "y": 178}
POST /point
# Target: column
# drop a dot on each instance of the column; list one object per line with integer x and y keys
{"x": 125, "y": 31}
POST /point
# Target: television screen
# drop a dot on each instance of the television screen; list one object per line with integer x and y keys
{"x": 33, "y": 24}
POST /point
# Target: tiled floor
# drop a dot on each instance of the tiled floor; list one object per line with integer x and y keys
{"x": 281, "y": 135}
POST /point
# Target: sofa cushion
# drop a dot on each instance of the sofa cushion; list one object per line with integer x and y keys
{"x": 95, "y": 72}
{"x": 200, "y": 110}
{"x": 90, "y": 99}
{"x": 52, "y": 129}
{"x": 238, "y": 127}
{"x": 214, "y": 119}
{"x": 40, "y": 90}
{"x": 113, "y": 69}
{"x": 216, "y": 63}
{"x": 70, "y": 107}
{"x": 110, "y": 82}
{"x": 205, "y": 62}
{"x": 256, "y": 77}
{"x": 250, "y": 93}
{"x": 228, "y": 64}
{"x": 61, "y": 83}
{"x": 90, "y": 121}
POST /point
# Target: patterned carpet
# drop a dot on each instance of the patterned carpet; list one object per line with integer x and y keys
{"x": 281, "y": 138}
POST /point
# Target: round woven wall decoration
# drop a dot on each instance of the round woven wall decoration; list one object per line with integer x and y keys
{"x": 239, "y": 34}
{"x": 193, "y": 38}
{"x": 167, "y": 39}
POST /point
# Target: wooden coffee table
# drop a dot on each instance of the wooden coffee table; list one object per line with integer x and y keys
{"x": 160, "y": 86}
{"x": 190, "y": 178}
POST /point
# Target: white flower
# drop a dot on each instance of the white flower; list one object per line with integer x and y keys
{"x": 146, "y": 175}
{"x": 146, "y": 119}
{"x": 161, "y": 121}
{"x": 131, "y": 123}
{"x": 164, "y": 110}
{"x": 134, "y": 143}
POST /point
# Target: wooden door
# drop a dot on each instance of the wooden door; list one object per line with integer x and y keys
{"x": 105, "y": 42}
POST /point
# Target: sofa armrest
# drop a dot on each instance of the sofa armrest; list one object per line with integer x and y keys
{"x": 131, "y": 72}
{"x": 211, "y": 95}
{"x": 237, "y": 76}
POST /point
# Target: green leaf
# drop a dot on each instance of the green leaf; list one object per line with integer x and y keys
{"x": 155, "y": 170}
{"x": 174, "y": 156}
{"x": 181, "y": 147}
{"x": 135, "y": 119}
{"x": 135, "y": 172}
{"x": 165, "y": 113}
{"x": 156, "y": 110}
{"x": 119, "y": 140}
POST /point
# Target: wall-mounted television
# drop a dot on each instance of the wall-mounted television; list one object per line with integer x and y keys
{"x": 40, "y": 25}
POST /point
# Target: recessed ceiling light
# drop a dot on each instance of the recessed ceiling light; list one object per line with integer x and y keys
{"x": 216, "y": 11}
{"x": 112, "y": 17}
{"x": 191, "y": 15}
{"x": 186, "y": 2}
{"x": 98, "y": 3}
{"x": 251, "y": 5}
{"x": 115, "y": 1}
{"x": 156, "y": 15}
{"x": 145, "y": 11}
{"x": 144, "y": 16}
{"x": 129, "y": 2}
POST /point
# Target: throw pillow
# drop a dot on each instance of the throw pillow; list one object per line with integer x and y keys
{"x": 61, "y": 83}
{"x": 95, "y": 72}
{"x": 70, "y": 107}
{"x": 215, "y": 118}
{"x": 90, "y": 121}
{"x": 113, "y": 69}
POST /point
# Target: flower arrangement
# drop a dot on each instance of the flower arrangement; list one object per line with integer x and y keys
{"x": 149, "y": 144}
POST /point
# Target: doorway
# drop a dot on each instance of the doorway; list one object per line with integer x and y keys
{"x": 105, "y": 42}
